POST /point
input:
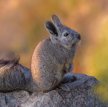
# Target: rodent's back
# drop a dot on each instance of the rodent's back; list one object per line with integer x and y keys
{"x": 47, "y": 72}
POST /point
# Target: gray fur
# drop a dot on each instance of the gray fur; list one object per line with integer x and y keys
{"x": 52, "y": 55}
{"x": 51, "y": 60}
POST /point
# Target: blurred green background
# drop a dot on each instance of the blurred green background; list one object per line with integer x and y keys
{"x": 22, "y": 27}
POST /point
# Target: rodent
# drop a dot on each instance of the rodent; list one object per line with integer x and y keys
{"x": 51, "y": 60}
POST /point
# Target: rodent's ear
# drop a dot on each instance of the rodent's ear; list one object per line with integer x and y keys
{"x": 51, "y": 28}
{"x": 56, "y": 20}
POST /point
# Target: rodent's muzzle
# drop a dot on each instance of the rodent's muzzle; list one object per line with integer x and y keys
{"x": 78, "y": 36}
{"x": 76, "y": 39}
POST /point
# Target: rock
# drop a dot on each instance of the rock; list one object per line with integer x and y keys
{"x": 79, "y": 93}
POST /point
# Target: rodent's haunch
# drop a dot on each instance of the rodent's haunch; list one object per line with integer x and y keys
{"x": 51, "y": 60}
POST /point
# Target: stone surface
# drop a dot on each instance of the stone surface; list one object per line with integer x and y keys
{"x": 78, "y": 93}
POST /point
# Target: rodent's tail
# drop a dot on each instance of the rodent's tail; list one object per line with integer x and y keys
{"x": 13, "y": 76}
{"x": 8, "y": 57}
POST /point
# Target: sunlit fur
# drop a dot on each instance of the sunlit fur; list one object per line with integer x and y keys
{"x": 48, "y": 64}
{"x": 51, "y": 56}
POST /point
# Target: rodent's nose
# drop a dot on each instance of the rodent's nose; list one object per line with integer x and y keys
{"x": 78, "y": 37}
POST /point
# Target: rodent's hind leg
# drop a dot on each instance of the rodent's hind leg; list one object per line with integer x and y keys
{"x": 69, "y": 77}
{"x": 66, "y": 82}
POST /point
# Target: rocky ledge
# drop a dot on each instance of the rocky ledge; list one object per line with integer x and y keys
{"x": 79, "y": 93}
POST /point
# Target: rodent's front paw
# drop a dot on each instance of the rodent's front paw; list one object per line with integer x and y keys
{"x": 69, "y": 77}
{"x": 68, "y": 68}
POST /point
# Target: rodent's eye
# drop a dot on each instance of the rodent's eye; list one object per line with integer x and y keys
{"x": 66, "y": 34}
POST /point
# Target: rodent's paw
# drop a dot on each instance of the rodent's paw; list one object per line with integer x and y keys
{"x": 69, "y": 77}
{"x": 68, "y": 68}
{"x": 66, "y": 82}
